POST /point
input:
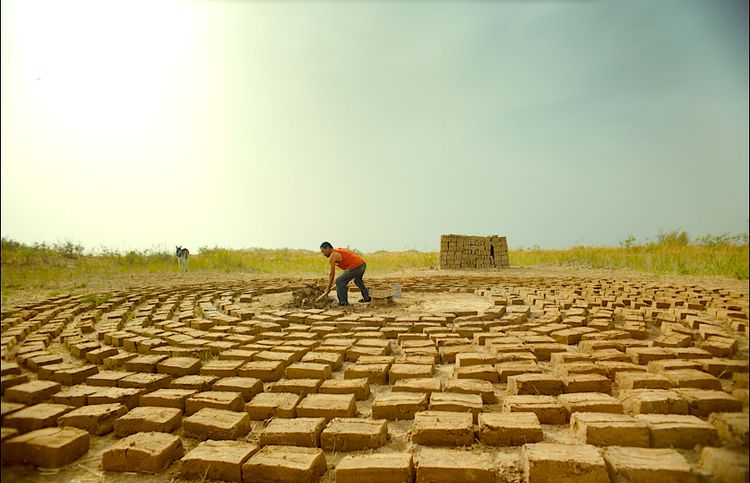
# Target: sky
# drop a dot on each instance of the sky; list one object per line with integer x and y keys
{"x": 378, "y": 125}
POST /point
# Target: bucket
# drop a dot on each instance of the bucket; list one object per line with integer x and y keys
{"x": 397, "y": 288}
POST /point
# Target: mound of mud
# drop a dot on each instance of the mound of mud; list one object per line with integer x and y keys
{"x": 306, "y": 298}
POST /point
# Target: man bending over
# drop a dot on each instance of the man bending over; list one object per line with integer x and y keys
{"x": 353, "y": 267}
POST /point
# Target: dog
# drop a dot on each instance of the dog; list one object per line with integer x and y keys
{"x": 182, "y": 258}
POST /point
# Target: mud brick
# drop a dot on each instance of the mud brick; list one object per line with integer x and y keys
{"x": 409, "y": 371}
{"x": 74, "y": 375}
{"x": 505, "y": 369}
{"x": 247, "y": 386}
{"x": 466, "y": 359}
{"x": 456, "y": 402}
{"x": 212, "y": 423}
{"x": 285, "y": 463}
{"x": 664, "y": 365}
{"x": 266, "y": 405}
{"x": 146, "y": 363}
{"x": 228, "y": 400}
{"x": 46, "y": 448}
{"x": 378, "y": 360}
{"x": 237, "y": 355}
{"x": 107, "y": 378}
{"x": 719, "y": 346}
{"x": 353, "y": 434}
{"x": 563, "y": 463}
{"x": 359, "y": 387}
{"x": 534, "y": 384}
{"x": 221, "y": 368}
{"x": 127, "y": 396}
{"x": 607, "y": 429}
{"x": 586, "y": 383}
{"x": 426, "y": 385}
{"x": 293, "y": 432}
{"x": 302, "y": 387}
{"x": 335, "y": 361}
{"x": 479, "y": 387}
{"x": 442, "y": 428}
{"x": 197, "y": 383}
{"x": 648, "y": 464}
{"x": 178, "y": 366}
{"x": 12, "y": 380}
{"x": 117, "y": 361}
{"x": 642, "y": 380}
{"x": 75, "y": 396}
{"x": 643, "y": 355}
{"x": 217, "y": 460}
{"x": 725, "y": 465}
{"x": 693, "y": 378}
{"x": 571, "y": 368}
{"x": 32, "y": 392}
{"x": 484, "y": 372}
{"x": 142, "y": 453}
{"x": 167, "y": 398}
{"x": 568, "y": 357}
{"x": 375, "y": 468}
{"x": 395, "y": 406}
{"x": 7, "y": 433}
{"x": 97, "y": 419}
{"x": 328, "y": 406}
{"x": 374, "y": 373}
{"x": 38, "y": 416}
{"x": 285, "y": 358}
{"x": 97, "y": 356}
{"x": 440, "y": 465}
{"x": 703, "y": 402}
{"x": 732, "y": 427}
{"x": 9, "y": 408}
{"x": 547, "y": 408}
{"x": 592, "y": 402}
{"x": 146, "y": 381}
{"x": 653, "y": 401}
{"x": 9, "y": 368}
{"x": 679, "y": 431}
{"x": 543, "y": 352}
{"x": 509, "y": 429}
{"x": 148, "y": 418}
{"x": 724, "y": 368}
{"x": 266, "y": 371}
{"x": 41, "y": 360}
{"x": 80, "y": 350}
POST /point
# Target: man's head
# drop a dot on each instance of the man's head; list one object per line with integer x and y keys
{"x": 326, "y": 249}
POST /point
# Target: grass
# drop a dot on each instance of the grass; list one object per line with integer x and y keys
{"x": 65, "y": 268}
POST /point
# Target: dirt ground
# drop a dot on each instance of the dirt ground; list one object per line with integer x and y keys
{"x": 425, "y": 293}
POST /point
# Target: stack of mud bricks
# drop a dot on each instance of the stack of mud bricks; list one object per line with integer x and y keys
{"x": 468, "y": 252}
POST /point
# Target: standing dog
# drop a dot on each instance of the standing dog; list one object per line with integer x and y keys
{"x": 182, "y": 258}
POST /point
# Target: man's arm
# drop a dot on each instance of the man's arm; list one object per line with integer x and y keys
{"x": 335, "y": 257}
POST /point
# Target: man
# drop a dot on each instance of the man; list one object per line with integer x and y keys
{"x": 353, "y": 266}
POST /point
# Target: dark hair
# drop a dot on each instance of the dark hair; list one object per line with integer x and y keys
{"x": 326, "y": 245}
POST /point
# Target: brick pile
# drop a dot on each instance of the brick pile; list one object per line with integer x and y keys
{"x": 471, "y": 252}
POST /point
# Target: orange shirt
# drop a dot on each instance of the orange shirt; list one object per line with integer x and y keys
{"x": 348, "y": 259}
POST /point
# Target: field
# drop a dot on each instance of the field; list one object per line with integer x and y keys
{"x": 587, "y": 364}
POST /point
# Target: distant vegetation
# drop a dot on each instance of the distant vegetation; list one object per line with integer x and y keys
{"x": 43, "y": 266}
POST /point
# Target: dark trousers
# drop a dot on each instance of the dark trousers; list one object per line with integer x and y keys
{"x": 343, "y": 280}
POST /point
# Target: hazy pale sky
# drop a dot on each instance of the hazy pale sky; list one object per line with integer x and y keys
{"x": 379, "y": 125}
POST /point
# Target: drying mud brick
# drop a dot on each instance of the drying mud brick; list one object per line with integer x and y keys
{"x": 97, "y": 419}
{"x": 179, "y": 366}
{"x": 563, "y": 463}
{"x": 228, "y": 400}
{"x": 642, "y": 380}
{"x": 46, "y": 448}
{"x": 726, "y": 465}
{"x": 285, "y": 463}
{"x": 462, "y": 403}
{"x": 586, "y": 383}
{"x": 308, "y": 370}
{"x": 592, "y": 402}
{"x": 211, "y": 423}
{"x": 32, "y": 392}
{"x": 679, "y": 431}
{"x": 293, "y": 432}
{"x": 437, "y": 465}
{"x": 266, "y": 371}
{"x": 167, "y": 398}
{"x": 248, "y": 387}
{"x": 484, "y": 389}
{"x": 142, "y": 453}
{"x": 606, "y": 429}
{"x": 394, "y": 406}
{"x": 535, "y": 384}
{"x": 509, "y": 429}
{"x": 426, "y": 385}
{"x": 374, "y": 373}
{"x": 76, "y": 396}
{"x": 38, "y": 416}
{"x": 647, "y": 464}
{"x": 197, "y": 382}
{"x": 693, "y": 378}
{"x": 409, "y": 371}
{"x": 375, "y": 468}
{"x": 359, "y": 387}
{"x": 353, "y": 434}
{"x": 327, "y": 406}
{"x": 302, "y": 387}
{"x": 107, "y": 378}
{"x": 547, "y": 408}
{"x": 649, "y": 401}
{"x": 146, "y": 419}
{"x": 442, "y": 428}
{"x": 732, "y": 427}
{"x": 278, "y": 405}
{"x": 704, "y": 402}
{"x": 217, "y": 460}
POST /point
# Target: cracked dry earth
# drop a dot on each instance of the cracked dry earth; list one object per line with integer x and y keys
{"x": 510, "y": 375}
